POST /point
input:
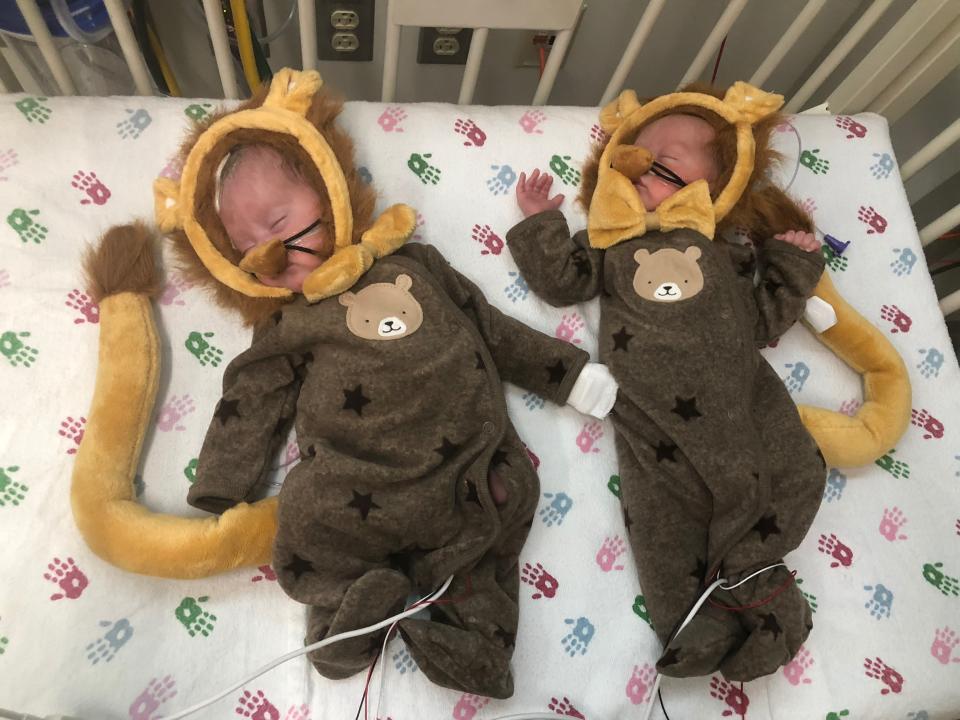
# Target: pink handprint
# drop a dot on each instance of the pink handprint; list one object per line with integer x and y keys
{"x": 530, "y": 121}
{"x": 641, "y": 683}
{"x": 391, "y": 118}
{"x": 4, "y": 279}
{"x": 878, "y": 669}
{"x": 267, "y": 574}
{"x": 850, "y": 407}
{"x": 853, "y": 128}
{"x": 900, "y": 320}
{"x": 174, "y": 289}
{"x": 173, "y": 411}
{"x": 564, "y": 708}
{"x": 8, "y": 158}
{"x": 79, "y": 300}
{"x": 891, "y": 522}
{"x": 89, "y": 184}
{"x": 545, "y": 583}
{"x": 736, "y": 700}
{"x": 590, "y": 433}
{"x": 475, "y": 136}
{"x": 467, "y": 706}
{"x": 868, "y": 215}
{"x": 945, "y": 642}
{"x": 488, "y": 238}
{"x": 568, "y": 328}
{"x": 256, "y": 706}
{"x": 72, "y": 430}
{"x": 153, "y": 696}
{"x": 299, "y": 713}
{"x": 609, "y": 551}
{"x": 597, "y": 135}
{"x": 831, "y": 545}
{"x": 68, "y": 577}
{"x": 808, "y": 205}
{"x": 923, "y": 419}
{"x": 793, "y": 671}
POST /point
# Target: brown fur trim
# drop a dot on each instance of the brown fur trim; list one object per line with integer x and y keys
{"x": 122, "y": 261}
{"x": 323, "y": 112}
{"x": 762, "y": 207}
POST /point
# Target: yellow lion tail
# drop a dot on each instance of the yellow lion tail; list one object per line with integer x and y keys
{"x": 123, "y": 276}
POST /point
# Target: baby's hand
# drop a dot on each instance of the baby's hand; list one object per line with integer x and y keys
{"x": 803, "y": 240}
{"x": 533, "y": 194}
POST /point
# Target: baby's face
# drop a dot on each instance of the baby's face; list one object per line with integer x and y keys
{"x": 681, "y": 142}
{"x": 262, "y": 201}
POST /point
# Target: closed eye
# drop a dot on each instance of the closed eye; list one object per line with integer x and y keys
{"x": 276, "y": 223}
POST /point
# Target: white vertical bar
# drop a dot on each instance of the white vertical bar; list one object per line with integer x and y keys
{"x": 221, "y": 48}
{"x": 951, "y": 303}
{"x": 788, "y": 40}
{"x": 713, "y": 41}
{"x": 128, "y": 44}
{"x": 931, "y": 150}
{"x": 44, "y": 40}
{"x": 555, "y": 59}
{"x": 307, "y": 11}
{"x": 470, "y": 73}
{"x": 630, "y": 53}
{"x": 391, "y": 52}
{"x": 949, "y": 220}
{"x": 843, "y": 49}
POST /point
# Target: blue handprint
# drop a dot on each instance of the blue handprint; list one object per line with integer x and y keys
{"x": 533, "y": 401}
{"x": 905, "y": 261}
{"x": 880, "y": 602}
{"x": 518, "y": 289}
{"x": 797, "y": 377}
{"x": 836, "y": 482}
{"x": 502, "y": 181}
{"x": 931, "y": 363}
{"x": 882, "y": 168}
{"x": 556, "y": 511}
{"x": 578, "y": 639}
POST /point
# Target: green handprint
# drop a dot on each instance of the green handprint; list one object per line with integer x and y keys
{"x": 3, "y": 645}
{"x": 191, "y": 470}
{"x": 810, "y": 159}
{"x": 613, "y": 485}
{"x": 809, "y": 597}
{"x": 194, "y": 618}
{"x": 640, "y": 608}
{"x": 837, "y": 716}
{"x": 25, "y": 226}
{"x": 11, "y": 493}
{"x": 569, "y": 175}
{"x": 941, "y": 581}
{"x": 15, "y": 350}
{"x": 197, "y": 111}
{"x": 835, "y": 262}
{"x": 202, "y": 350}
{"x": 428, "y": 174}
{"x": 33, "y": 110}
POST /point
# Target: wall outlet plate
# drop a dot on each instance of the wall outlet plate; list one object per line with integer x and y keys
{"x": 345, "y": 30}
{"x": 444, "y": 46}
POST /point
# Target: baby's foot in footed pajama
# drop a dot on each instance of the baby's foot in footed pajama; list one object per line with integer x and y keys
{"x": 702, "y": 645}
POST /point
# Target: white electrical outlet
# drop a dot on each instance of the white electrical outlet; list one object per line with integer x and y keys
{"x": 345, "y": 42}
{"x": 446, "y": 46}
{"x": 344, "y": 19}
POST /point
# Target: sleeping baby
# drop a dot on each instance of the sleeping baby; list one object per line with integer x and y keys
{"x": 719, "y": 478}
{"x": 390, "y": 366}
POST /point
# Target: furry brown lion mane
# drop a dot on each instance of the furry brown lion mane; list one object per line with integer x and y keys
{"x": 324, "y": 110}
{"x": 763, "y": 209}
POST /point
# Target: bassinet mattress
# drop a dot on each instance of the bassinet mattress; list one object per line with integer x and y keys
{"x": 880, "y": 565}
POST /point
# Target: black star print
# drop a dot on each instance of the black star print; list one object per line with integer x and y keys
{"x": 468, "y": 304}
{"x": 447, "y": 450}
{"x": 700, "y": 570}
{"x": 665, "y": 451}
{"x": 312, "y": 451}
{"x": 298, "y": 566}
{"x": 771, "y": 286}
{"x": 686, "y": 408}
{"x": 355, "y": 400}
{"x": 627, "y": 522}
{"x": 557, "y": 372}
{"x": 748, "y": 266}
{"x": 770, "y": 624}
{"x": 499, "y": 457}
{"x": 471, "y": 495}
{"x": 276, "y": 317}
{"x": 480, "y": 364}
{"x": 507, "y": 638}
{"x": 581, "y": 262}
{"x": 227, "y": 409}
{"x": 767, "y": 526}
{"x": 363, "y": 503}
{"x": 620, "y": 339}
{"x": 670, "y": 657}
{"x": 307, "y": 357}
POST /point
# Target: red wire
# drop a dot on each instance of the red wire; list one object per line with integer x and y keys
{"x": 760, "y": 602}
{"x": 716, "y": 65}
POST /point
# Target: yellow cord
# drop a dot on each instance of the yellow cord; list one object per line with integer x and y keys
{"x": 168, "y": 75}
{"x": 242, "y": 28}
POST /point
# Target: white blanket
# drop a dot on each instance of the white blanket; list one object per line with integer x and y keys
{"x": 78, "y": 636}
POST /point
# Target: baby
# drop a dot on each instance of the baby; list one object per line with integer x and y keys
{"x": 718, "y": 474}
{"x": 410, "y": 469}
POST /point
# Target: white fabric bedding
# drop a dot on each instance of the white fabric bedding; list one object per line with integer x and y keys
{"x": 78, "y": 636}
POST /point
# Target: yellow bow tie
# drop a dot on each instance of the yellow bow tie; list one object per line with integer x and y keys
{"x": 617, "y": 214}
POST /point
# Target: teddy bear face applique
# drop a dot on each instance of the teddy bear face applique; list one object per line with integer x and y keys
{"x": 383, "y": 311}
{"x": 668, "y": 275}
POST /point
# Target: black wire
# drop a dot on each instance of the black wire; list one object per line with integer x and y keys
{"x": 660, "y": 697}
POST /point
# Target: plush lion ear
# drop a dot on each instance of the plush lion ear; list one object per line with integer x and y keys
{"x": 615, "y": 111}
{"x": 293, "y": 90}
{"x": 166, "y": 197}
{"x": 753, "y": 103}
